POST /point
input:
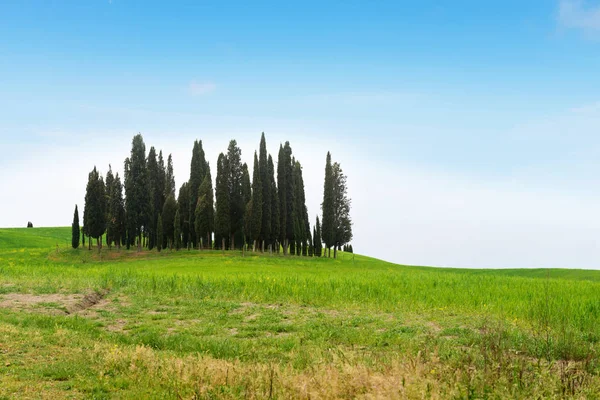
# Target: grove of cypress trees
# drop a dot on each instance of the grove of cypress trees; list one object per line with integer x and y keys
{"x": 75, "y": 229}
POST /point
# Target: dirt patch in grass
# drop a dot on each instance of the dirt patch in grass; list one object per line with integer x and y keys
{"x": 55, "y": 304}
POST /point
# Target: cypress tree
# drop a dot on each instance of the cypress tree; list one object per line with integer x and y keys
{"x": 257, "y": 203}
{"x": 94, "y": 214}
{"x": 156, "y": 185}
{"x": 246, "y": 199}
{"x": 116, "y": 212}
{"x": 285, "y": 186}
{"x": 177, "y": 230}
{"x": 266, "y": 213}
{"x": 342, "y": 222}
{"x": 75, "y": 229}
{"x": 328, "y": 206}
{"x": 302, "y": 225}
{"x": 274, "y": 204}
{"x": 83, "y": 236}
{"x": 137, "y": 192}
{"x": 169, "y": 179}
{"x": 159, "y": 233}
{"x": 169, "y": 220}
{"x": 183, "y": 204}
{"x": 108, "y": 183}
{"x": 237, "y": 207}
{"x": 222, "y": 222}
{"x": 198, "y": 169}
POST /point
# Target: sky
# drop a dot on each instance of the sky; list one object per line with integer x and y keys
{"x": 469, "y": 130}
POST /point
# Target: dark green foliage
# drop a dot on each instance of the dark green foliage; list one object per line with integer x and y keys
{"x": 183, "y": 205}
{"x": 159, "y": 233}
{"x": 342, "y": 222}
{"x": 137, "y": 192}
{"x": 328, "y": 206}
{"x": 285, "y": 184}
{"x": 222, "y": 223}
{"x": 169, "y": 220}
{"x": 75, "y": 229}
{"x": 94, "y": 214}
{"x": 257, "y": 202}
{"x": 274, "y": 203}
{"x": 156, "y": 180}
{"x": 204, "y": 213}
{"x": 317, "y": 243}
{"x": 237, "y": 207}
{"x": 83, "y": 236}
{"x": 198, "y": 170}
{"x": 266, "y": 214}
{"x": 177, "y": 230}
{"x": 116, "y": 213}
{"x": 300, "y": 212}
{"x": 169, "y": 179}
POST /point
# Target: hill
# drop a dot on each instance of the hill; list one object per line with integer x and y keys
{"x": 221, "y": 325}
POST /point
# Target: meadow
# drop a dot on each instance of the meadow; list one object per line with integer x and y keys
{"x": 211, "y": 324}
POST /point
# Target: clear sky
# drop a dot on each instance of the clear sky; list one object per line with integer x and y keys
{"x": 469, "y": 130}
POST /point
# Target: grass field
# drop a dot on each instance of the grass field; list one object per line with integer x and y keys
{"x": 83, "y": 324}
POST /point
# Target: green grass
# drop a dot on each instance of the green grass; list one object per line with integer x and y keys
{"x": 219, "y": 325}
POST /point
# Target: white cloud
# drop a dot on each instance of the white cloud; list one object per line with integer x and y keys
{"x": 201, "y": 88}
{"x": 578, "y": 14}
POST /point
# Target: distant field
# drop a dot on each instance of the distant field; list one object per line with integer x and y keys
{"x": 207, "y": 324}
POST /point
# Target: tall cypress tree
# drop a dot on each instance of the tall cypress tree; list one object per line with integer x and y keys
{"x": 328, "y": 207}
{"x": 342, "y": 221}
{"x": 108, "y": 183}
{"x": 137, "y": 192}
{"x": 285, "y": 187}
{"x": 237, "y": 207}
{"x": 257, "y": 204}
{"x": 266, "y": 214}
{"x": 247, "y": 198}
{"x": 222, "y": 222}
{"x": 75, "y": 229}
{"x": 169, "y": 179}
{"x": 274, "y": 204}
{"x": 301, "y": 223}
{"x": 198, "y": 170}
{"x": 116, "y": 212}
{"x": 156, "y": 185}
{"x": 94, "y": 214}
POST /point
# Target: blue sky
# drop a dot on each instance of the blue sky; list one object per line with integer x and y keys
{"x": 482, "y": 118}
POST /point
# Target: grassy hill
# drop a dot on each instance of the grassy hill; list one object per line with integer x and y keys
{"x": 208, "y": 324}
